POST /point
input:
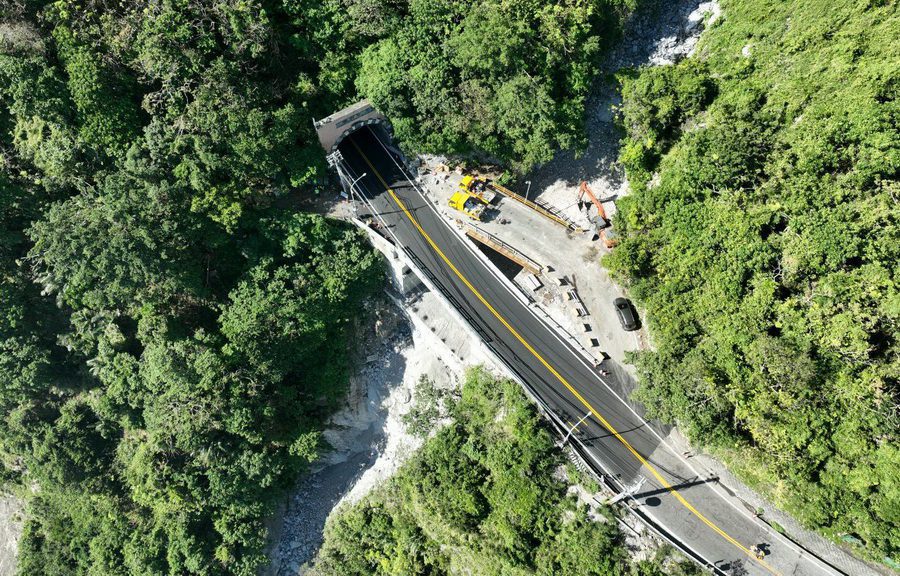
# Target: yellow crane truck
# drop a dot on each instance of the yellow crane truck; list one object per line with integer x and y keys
{"x": 472, "y": 206}
{"x": 479, "y": 187}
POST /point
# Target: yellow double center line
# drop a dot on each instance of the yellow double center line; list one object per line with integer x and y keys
{"x": 663, "y": 482}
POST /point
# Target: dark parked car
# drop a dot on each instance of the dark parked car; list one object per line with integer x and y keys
{"x": 627, "y": 315}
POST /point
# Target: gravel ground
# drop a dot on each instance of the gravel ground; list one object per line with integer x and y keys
{"x": 368, "y": 438}
{"x": 656, "y": 35}
{"x": 652, "y": 38}
{"x": 10, "y": 531}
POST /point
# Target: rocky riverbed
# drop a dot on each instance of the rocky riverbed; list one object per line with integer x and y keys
{"x": 659, "y": 33}
{"x": 368, "y": 438}
{"x": 10, "y": 531}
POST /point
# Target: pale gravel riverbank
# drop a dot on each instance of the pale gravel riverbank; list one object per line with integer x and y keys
{"x": 368, "y": 438}
{"x": 10, "y": 531}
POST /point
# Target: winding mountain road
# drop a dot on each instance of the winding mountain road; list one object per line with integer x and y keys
{"x": 614, "y": 436}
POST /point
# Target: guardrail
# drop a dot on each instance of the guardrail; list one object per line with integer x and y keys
{"x": 591, "y": 461}
{"x": 541, "y": 208}
{"x": 504, "y": 248}
{"x": 602, "y": 475}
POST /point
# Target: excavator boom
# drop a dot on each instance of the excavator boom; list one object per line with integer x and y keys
{"x": 583, "y": 190}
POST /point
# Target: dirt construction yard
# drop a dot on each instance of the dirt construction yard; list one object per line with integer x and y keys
{"x": 571, "y": 276}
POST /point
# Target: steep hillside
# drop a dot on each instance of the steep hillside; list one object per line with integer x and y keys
{"x": 763, "y": 239}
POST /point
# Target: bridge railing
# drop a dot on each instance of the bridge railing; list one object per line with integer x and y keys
{"x": 504, "y": 248}
{"x": 541, "y": 208}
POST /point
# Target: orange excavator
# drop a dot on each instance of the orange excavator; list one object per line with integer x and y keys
{"x": 602, "y": 222}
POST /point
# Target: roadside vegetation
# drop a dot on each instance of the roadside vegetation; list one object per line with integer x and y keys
{"x": 170, "y": 342}
{"x": 482, "y": 497}
{"x": 172, "y": 335}
{"x": 763, "y": 239}
{"x": 490, "y": 78}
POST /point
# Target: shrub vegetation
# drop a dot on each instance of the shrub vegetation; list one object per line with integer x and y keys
{"x": 170, "y": 342}
{"x": 500, "y": 79}
{"x": 172, "y": 335}
{"x": 482, "y": 497}
{"x": 762, "y": 238}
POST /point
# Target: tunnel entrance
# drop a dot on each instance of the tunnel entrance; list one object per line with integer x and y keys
{"x": 333, "y": 129}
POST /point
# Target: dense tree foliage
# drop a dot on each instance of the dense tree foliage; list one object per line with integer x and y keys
{"x": 763, "y": 238}
{"x": 507, "y": 79}
{"x": 170, "y": 341}
{"x": 482, "y": 498}
{"x": 171, "y": 335}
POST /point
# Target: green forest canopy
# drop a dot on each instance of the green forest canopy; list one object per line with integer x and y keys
{"x": 482, "y": 497}
{"x": 170, "y": 342}
{"x": 503, "y": 79}
{"x": 171, "y": 338}
{"x": 763, "y": 239}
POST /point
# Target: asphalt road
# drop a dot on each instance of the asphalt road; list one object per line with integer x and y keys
{"x": 619, "y": 441}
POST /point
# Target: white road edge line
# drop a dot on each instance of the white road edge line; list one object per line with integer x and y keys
{"x": 727, "y": 498}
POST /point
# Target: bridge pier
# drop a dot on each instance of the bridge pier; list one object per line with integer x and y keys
{"x": 402, "y": 275}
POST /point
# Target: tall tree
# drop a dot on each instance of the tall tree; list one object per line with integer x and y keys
{"x": 503, "y": 79}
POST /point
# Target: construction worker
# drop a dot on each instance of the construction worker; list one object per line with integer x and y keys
{"x": 599, "y": 367}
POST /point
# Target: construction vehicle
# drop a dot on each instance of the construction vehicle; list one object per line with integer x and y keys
{"x": 478, "y": 187}
{"x": 601, "y": 222}
{"x": 487, "y": 190}
{"x": 472, "y": 206}
{"x": 609, "y": 237}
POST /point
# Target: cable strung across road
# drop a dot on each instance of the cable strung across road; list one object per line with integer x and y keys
{"x": 620, "y": 437}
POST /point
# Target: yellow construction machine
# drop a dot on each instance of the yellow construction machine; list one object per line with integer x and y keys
{"x": 469, "y": 204}
{"x": 478, "y": 187}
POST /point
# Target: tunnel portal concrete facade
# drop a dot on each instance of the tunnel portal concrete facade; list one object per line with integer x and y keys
{"x": 334, "y": 128}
